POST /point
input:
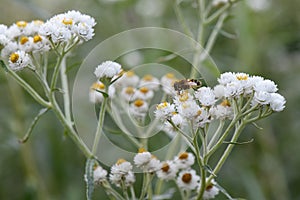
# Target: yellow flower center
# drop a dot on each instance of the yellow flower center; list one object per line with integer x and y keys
{"x": 67, "y": 21}
{"x": 129, "y": 90}
{"x": 98, "y": 86}
{"x": 14, "y": 57}
{"x": 165, "y": 167}
{"x": 130, "y": 73}
{"x": 148, "y": 77}
{"x": 162, "y": 105}
{"x": 225, "y": 103}
{"x": 37, "y": 38}
{"x": 199, "y": 112}
{"x": 187, "y": 177}
{"x": 183, "y": 97}
{"x": 183, "y": 156}
{"x": 242, "y": 77}
{"x": 139, "y": 103}
{"x": 38, "y": 22}
{"x": 142, "y": 150}
{"x": 21, "y": 24}
{"x": 23, "y": 40}
{"x": 170, "y": 75}
{"x": 120, "y": 161}
{"x": 144, "y": 90}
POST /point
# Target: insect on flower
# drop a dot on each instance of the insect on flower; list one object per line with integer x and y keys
{"x": 186, "y": 84}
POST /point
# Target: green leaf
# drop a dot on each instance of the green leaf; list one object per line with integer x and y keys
{"x": 105, "y": 95}
{"x": 89, "y": 177}
{"x": 239, "y": 143}
{"x": 3, "y": 65}
{"x": 33, "y": 123}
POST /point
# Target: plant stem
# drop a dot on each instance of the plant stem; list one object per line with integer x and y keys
{"x": 228, "y": 150}
{"x": 29, "y": 89}
{"x": 65, "y": 88}
{"x": 100, "y": 124}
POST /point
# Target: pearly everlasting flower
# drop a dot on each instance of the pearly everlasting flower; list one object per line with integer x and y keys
{"x": 167, "y": 171}
{"x": 139, "y": 108}
{"x": 183, "y": 97}
{"x": 99, "y": 174}
{"x": 188, "y": 180}
{"x": 127, "y": 93}
{"x": 150, "y": 82}
{"x": 203, "y": 117}
{"x": 189, "y": 109}
{"x": 122, "y": 171}
{"x": 167, "y": 83}
{"x": 144, "y": 93}
{"x": 219, "y": 91}
{"x": 164, "y": 110}
{"x": 26, "y": 44}
{"x": 206, "y": 96}
{"x": 211, "y": 191}
{"x": 277, "y": 102}
{"x": 18, "y": 60}
{"x": 265, "y": 86}
{"x": 222, "y": 111}
{"x": 261, "y": 97}
{"x": 40, "y": 44}
{"x": 129, "y": 79}
{"x": 227, "y": 77}
{"x": 184, "y": 160}
{"x": 107, "y": 69}
{"x": 9, "y": 48}
{"x": 96, "y": 96}
{"x": 233, "y": 89}
{"x": 142, "y": 158}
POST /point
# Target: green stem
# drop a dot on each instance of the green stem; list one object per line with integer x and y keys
{"x": 182, "y": 21}
{"x": 216, "y": 134}
{"x": 100, "y": 124}
{"x": 65, "y": 89}
{"x": 228, "y": 150}
{"x": 29, "y": 89}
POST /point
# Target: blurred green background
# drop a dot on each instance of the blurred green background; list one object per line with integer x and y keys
{"x": 266, "y": 42}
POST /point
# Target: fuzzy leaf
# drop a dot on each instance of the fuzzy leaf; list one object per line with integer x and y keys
{"x": 89, "y": 178}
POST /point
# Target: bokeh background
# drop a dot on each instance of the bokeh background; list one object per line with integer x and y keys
{"x": 264, "y": 40}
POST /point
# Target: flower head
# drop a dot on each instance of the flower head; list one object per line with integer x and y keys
{"x": 184, "y": 160}
{"x": 18, "y": 60}
{"x": 188, "y": 179}
{"x": 107, "y": 69}
{"x": 167, "y": 171}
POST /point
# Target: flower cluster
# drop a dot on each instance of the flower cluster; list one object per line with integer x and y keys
{"x": 236, "y": 92}
{"x": 178, "y": 170}
{"x": 22, "y": 40}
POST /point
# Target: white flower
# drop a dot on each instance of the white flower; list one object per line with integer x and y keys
{"x": 144, "y": 93}
{"x": 139, "y": 108}
{"x": 222, "y": 111}
{"x": 127, "y": 93}
{"x": 277, "y": 102}
{"x": 18, "y": 60}
{"x": 265, "y": 86}
{"x": 9, "y": 48}
{"x": 233, "y": 89}
{"x": 202, "y": 118}
{"x": 164, "y": 110}
{"x": 262, "y": 98}
{"x": 206, "y": 96}
{"x": 167, "y": 82}
{"x": 149, "y": 81}
{"x": 99, "y": 174}
{"x": 184, "y": 160}
{"x": 167, "y": 171}
{"x": 219, "y": 91}
{"x": 183, "y": 97}
{"x": 128, "y": 79}
{"x": 107, "y": 69}
{"x": 26, "y": 44}
{"x": 178, "y": 121}
{"x": 211, "y": 190}
{"x": 142, "y": 158}
{"x": 84, "y": 31}
{"x": 96, "y": 96}
{"x": 188, "y": 179}
{"x": 122, "y": 171}
{"x": 189, "y": 109}
{"x": 226, "y": 78}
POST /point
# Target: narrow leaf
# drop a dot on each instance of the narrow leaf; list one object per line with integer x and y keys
{"x": 105, "y": 95}
{"x": 3, "y": 65}
{"x": 239, "y": 143}
{"x": 33, "y": 123}
{"x": 89, "y": 178}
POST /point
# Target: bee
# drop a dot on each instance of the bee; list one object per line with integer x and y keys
{"x": 186, "y": 84}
